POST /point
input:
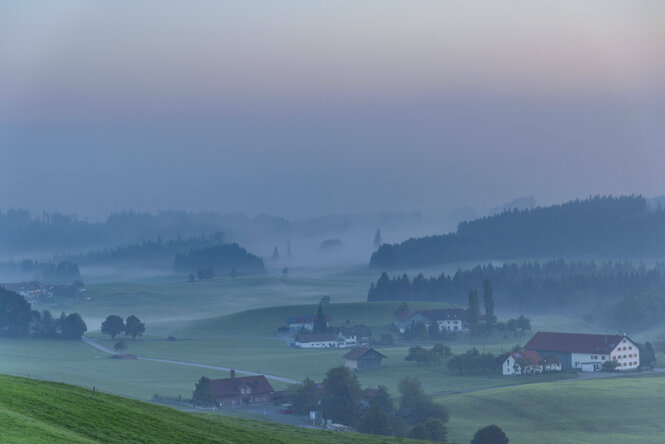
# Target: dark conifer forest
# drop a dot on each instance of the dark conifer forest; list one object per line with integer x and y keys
{"x": 610, "y": 227}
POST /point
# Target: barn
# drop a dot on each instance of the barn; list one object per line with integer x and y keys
{"x": 363, "y": 358}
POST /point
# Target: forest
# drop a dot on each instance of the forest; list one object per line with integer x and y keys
{"x": 602, "y": 226}
{"x": 228, "y": 258}
{"x": 148, "y": 252}
{"x": 553, "y": 286}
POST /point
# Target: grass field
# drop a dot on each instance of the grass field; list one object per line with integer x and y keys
{"x": 35, "y": 411}
{"x": 616, "y": 410}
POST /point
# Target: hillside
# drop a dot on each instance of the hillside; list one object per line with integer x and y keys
{"x": 598, "y": 227}
{"x": 37, "y": 411}
{"x": 614, "y": 410}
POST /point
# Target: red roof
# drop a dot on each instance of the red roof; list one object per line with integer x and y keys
{"x": 531, "y": 356}
{"x": 222, "y": 388}
{"x": 358, "y": 352}
{"x": 573, "y": 343}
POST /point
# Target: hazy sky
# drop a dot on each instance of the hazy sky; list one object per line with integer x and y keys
{"x": 299, "y": 108}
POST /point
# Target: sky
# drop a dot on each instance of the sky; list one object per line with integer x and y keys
{"x": 301, "y": 108}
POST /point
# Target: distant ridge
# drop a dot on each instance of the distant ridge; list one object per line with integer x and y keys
{"x": 602, "y": 226}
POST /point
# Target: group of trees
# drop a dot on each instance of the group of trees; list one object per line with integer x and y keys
{"x": 421, "y": 355}
{"x": 474, "y": 362}
{"x": 552, "y": 286}
{"x": 158, "y": 252}
{"x": 18, "y": 320}
{"x": 602, "y": 226}
{"x": 342, "y": 401}
{"x": 640, "y": 309}
{"x": 62, "y": 271}
{"x": 114, "y": 325}
{"x": 219, "y": 258}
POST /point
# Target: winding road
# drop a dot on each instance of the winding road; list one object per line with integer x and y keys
{"x": 91, "y": 342}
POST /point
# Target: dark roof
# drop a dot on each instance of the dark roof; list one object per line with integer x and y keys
{"x": 531, "y": 356}
{"x": 444, "y": 314}
{"x": 357, "y": 330}
{"x": 222, "y": 388}
{"x": 305, "y": 319}
{"x": 358, "y": 352}
{"x": 573, "y": 342}
{"x": 315, "y": 337}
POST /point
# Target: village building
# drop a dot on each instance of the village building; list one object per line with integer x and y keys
{"x": 317, "y": 340}
{"x": 29, "y": 290}
{"x": 529, "y": 362}
{"x": 363, "y": 358}
{"x": 587, "y": 352}
{"x": 246, "y": 390}
{"x": 306, "y": 322}
{"x": 356, "y": 335}
{"x": 446, "y": 319}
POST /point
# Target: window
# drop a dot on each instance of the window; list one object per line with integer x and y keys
{"x": 603, "y": 358}
{"x": 630, "y": 347}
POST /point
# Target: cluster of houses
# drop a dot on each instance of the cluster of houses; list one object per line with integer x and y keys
{"x": 547, "y": 352}
{"x": 34, "y": 290}
{"x": 343, "y": 337}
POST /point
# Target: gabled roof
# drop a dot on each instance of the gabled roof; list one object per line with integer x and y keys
{"x": 530, "y": 356}
{"x": 358, "y": 352}
{"x": 444, "y": 314}
{"x": 222, "y": 388}
{"x": 573, "y": 342}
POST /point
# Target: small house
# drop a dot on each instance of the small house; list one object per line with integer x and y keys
{"x": 242, "y": 391}
{"x": 523, "y": 363}
{"x": 356, "y": 335}
{"x": 363, "y": 358}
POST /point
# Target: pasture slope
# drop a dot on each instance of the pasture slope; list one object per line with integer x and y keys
{"x": 615, "y": 410}
{"x": 36, "y": 411}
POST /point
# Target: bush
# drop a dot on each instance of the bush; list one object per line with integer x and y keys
{"x": 492, "y": 434}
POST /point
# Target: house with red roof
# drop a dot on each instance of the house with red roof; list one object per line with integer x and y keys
{"x": 245, "y": 390}
{"x": 587, "y": 352}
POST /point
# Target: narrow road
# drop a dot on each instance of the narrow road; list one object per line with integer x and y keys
{"x": 91, "y": 342}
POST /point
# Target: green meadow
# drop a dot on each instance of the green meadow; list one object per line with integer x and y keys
{"x": 36, "y": 411}
{"x": 616, "y": 410}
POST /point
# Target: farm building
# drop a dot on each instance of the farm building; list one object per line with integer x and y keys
{"x": 586, "y": 351}
{"x": 306, "y": 322}
{"x": 447, "y": 319}
{"x": 240, "y": 391}
{"x": 317, "y": 340}
{"x": 356, "y": 335}
{"x": 363, "y": 358}
{"x": 529, "y": 362}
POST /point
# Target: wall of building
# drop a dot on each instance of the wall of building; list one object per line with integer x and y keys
{"x": 627, "y": 355}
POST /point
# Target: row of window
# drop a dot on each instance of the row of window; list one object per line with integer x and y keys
{"x": 253, "y": 400}
{"x": 624, "y": 356}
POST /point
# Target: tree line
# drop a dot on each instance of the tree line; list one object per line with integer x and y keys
{"x": 602, "y": 226}
{"x": 220, "y": 258}
{"x": 554, "y": 285}
{"x": 18, "y": 320}
{"x": 150, "y": 251}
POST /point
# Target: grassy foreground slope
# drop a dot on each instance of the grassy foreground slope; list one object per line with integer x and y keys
{"x": 37, "y": 411}
{"x": 613, "y": 410}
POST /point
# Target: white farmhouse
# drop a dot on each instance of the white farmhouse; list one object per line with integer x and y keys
{"x": 585, "y": 351}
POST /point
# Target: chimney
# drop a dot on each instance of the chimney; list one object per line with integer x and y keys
{"x": 233, "y": 374}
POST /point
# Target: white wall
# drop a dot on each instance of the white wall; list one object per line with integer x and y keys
{"x": 626, "y": 354}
